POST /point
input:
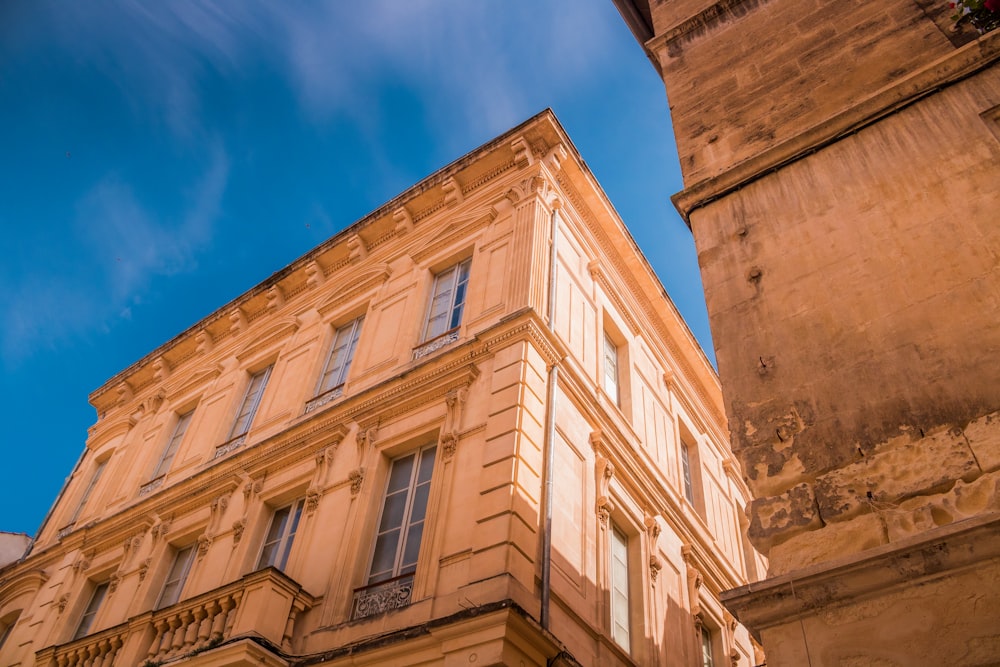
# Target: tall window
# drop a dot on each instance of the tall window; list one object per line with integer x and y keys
{"x": 87, "y": 620}
{"x": 611, "y": 368}
{"x": 174, "y": 584}
{"x": 171, "y": 449}
{"x": 6, "y": 626}
{"x": 706, "y": 648}
{"x": 280, "y": 535}
{"x": 94, "y": 478}
{"x": 686, "y": 469}
{"x": 401, "y": 523}
{"x": 341, "y": 354}
{"x": 447, "y": 300}
{"x": 619, "y": 589}
{"x": 251, "y": 401}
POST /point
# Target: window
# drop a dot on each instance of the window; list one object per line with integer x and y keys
{"x": 401, "y": 523}
{"x": 251, "y": 400}
{"x": 176, "y": 577}
{"x": 447, "y": 300}
{"x": 280, "y": 534}
{"x": 706, "y": 648}
{"x": 619, "y": 588}
{"x": 341, "y": 354}
{"x": 87, "y": 620}
{"x": 87, "y": 491}
{"x": 171, "y": 449}
{"x": 6, "y": 626}
{"x": 611, "y": 368}
{"x": 686, "y": 468}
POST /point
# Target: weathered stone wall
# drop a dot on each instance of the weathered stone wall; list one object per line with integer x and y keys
{"x": 743, "y": 76}
{"x": 853, "y": 300}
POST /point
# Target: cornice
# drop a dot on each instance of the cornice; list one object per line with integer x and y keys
{"x": 957, "y": 66}
{"x": 446, "y": 180}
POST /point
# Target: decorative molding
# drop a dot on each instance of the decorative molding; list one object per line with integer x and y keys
{"x": 452, "y": 192}
{"x": 275, "y": 298}
{"x": 522, "y": 152}
{"x": 356, "y": 249}
{"x": 237, "y": 321}
{"x": 276, "y": 333}
{"x": 62, "y": 602}
{"x": 357, "y": 478}
{"x": 203, "y": 341}
{"x": 605, "y": 470}
{"x": 365, "y": 279}
{"x": 123, "y": 392}
{"x": 324, "y": 398}
{"x": 435, "y": 344}
{"x": 383, "y": 597}
{"x": 314, "y": 275}
{"x": 402, "y": 220}
{"x": 238, "y": 527}
{"x": 161, "y": 369}
{"x": 204, "y": 543}
{"x": 144, "y": 568}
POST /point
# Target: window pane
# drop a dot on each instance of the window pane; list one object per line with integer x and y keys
{"x": 92, "y": 608}
{"x": 412, "y": 548}
{"x": 250, "y": 402}
{"x": 619, "y": 589}
{"x": 419, "y": 503}
{"x": 686, "y": 468}
{"x": 88, "y": 490}
{"x": 402, "y": 470}
{"x": 176, "y": 578}
{"x": 173, "y": 444}
{"x": 426, "y": 465}
{"x": 268, "y": 555}
{"x": 392, "y": 511}
{"x": 384, "y": 558}
{"x": 341, "y": 353}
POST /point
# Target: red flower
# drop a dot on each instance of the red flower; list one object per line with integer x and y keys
{"x": 992, "y": 5}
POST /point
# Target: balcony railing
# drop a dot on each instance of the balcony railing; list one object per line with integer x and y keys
{"x": 265, "y": 604}
{"x": 435, "y": 344}
{"x": 324, "y": 398}
{"x": 382, "y": 597}
{"x": 229, "y": 446}
{"x": 151, "y": 485}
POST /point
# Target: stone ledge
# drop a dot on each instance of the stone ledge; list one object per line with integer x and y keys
{"x": 962, "y": 63}
{"x": 911, "y": 562}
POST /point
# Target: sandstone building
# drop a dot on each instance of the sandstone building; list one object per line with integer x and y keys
{"x": 470, "y": 428}
{"x": 840, "y": 164}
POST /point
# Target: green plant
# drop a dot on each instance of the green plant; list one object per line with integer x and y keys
{"x": 983, "y": 15}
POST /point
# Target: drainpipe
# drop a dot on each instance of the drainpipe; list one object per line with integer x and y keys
{"x": 550, "y": 432}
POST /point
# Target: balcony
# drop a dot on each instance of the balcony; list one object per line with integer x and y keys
{"x": 382, "y": 597}
{"x": 324, "y": 398}
{"x": 263, "y": 604}
{"x": 435, "y": 344}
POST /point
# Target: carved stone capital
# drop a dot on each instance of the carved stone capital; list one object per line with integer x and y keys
{"x": 357, "y": 477}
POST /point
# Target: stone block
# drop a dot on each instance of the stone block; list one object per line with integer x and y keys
{"x": 835, "y": 540}
{"x": 778, "y": 518}
{"x": 929, "y": 465}
{"x": 983, "y": 435}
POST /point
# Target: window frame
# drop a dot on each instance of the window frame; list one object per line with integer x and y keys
{"x": 687, "y": 478}
{"x": 180, "y": 579}
{"x": 285, "y": 540}
{"x": 707, "y": 646}
{"x": 252, "y": 400}
{"x": 324, "y": 385}
{"x": 86, "y": 623}
{"x": 611, "y": 369}
{"x": 173, "y": 444}
{"x": 95, "y": 477}
{"x": 619, "y": 540}
{"x": 405, "y": 523}
{"x": 455, "y": 308}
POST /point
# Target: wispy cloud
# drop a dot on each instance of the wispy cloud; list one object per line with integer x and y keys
{"x": 335, "y": 56}
{"x": 122, "y": 246}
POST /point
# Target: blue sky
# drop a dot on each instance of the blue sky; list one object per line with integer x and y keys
{"x": 159, "y": 159}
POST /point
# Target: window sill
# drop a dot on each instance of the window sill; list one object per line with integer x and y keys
{"x": 151, "y": 485}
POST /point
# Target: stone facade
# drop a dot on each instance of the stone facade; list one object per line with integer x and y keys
{"x": 840, "y": 162}
{"x": 424, "y": 442}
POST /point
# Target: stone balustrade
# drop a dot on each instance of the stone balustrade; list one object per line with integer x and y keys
{"x": 264, "y": 604}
